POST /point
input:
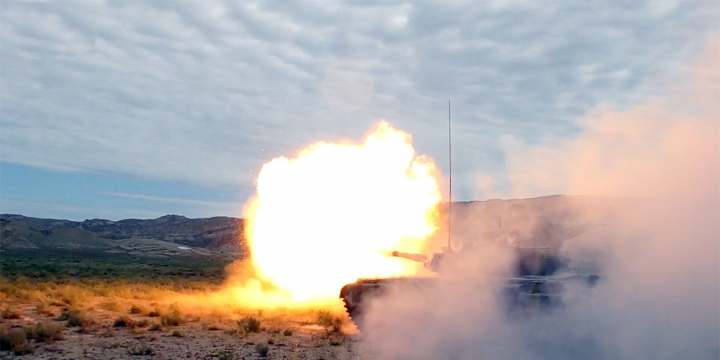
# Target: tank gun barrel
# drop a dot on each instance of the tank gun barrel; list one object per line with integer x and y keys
{"x": 414, "y": 257}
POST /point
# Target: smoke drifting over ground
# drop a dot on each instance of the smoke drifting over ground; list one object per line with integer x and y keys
{"x": 657, "y": 248}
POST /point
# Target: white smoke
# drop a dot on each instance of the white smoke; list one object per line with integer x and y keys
{"x": 659, "y": 296}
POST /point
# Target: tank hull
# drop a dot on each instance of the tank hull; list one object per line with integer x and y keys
{"x": 356, "y": 296}
{"x": 520, "y": 295}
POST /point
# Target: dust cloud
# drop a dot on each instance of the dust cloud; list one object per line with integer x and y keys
{"x": 650, "y": 180}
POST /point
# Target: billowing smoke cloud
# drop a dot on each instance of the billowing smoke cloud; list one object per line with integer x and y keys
{"x": 651, "y": 176}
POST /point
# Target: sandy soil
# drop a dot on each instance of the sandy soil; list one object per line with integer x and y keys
{"x": 198, "y": 338}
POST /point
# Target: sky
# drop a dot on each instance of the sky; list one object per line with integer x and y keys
{"x": 137, "y": 109}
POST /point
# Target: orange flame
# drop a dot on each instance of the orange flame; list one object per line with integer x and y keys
{"x": 324, "y": 219}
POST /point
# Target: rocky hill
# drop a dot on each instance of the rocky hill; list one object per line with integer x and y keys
{"x": 164, "y": 236}
{"x": 547, "y": 221}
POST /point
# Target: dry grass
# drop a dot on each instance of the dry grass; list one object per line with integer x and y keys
{"x": 85, "y": 305}
{"x": 17, "y": 339}
{"x": 43, "y": 307}
{"x": 141, "y": 349}
{"x": 331, "y": 323}
{"x": 124, "y": 321}
{"x": 111, "y": 305}
{"x": 45, "y": 331}
{"x": 11, "y": 312}
{"x": 173, "y": 318}
{"x": 249, "y": 324}
{"x": 14, "y": 340}
{"x": 76, "y": 317}
{"x": 213, "y": 327}
{"x": 143, "y": 323}
{"x": 138, "y": 309}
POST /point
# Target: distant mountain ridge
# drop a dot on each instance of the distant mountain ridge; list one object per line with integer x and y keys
{"x": 164, "y": 236}
{"x": 548, "y": 221}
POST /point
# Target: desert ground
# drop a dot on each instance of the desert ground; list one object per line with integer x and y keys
{"x": 58, "y": 306}
{"x": 158, "y": 288}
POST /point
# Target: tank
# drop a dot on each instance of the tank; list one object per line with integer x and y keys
{"x": 534, "y": 283}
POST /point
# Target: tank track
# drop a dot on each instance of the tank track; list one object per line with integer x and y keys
{"x": 354, "y": 314}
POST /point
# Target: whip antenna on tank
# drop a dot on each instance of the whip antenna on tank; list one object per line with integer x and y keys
{"x": 449, "y": 245}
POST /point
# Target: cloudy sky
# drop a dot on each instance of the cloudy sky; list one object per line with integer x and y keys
{"x": 117, "y": 109}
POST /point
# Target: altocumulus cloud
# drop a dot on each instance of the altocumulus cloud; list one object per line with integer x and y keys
{"x": 205, "y": 92}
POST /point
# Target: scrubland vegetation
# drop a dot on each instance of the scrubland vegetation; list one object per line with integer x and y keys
{"x": 135, "y": 307}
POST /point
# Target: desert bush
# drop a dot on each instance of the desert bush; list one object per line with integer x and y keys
{"x": 124, "y": 321}
{"x": 287, "y": 332}
{"x": 10, "y": 337}
{"x": 173, "y": 318}
{"x": 43, "y": 307}
{"x": 249, "y": 324}
{"x": 155, "y": 313}
{"x": 136, "y": 309}
{"x": 100, "y": 290}
{"x": 72, "y": 295}
{"x": 45, "y": 331}
{"x": 15, "y": 340}
{"x": 212, "y": 327}
{"x": 262, "y": 350}
{"x": 11, "y": 312}
{"x": 156, "y": 327}
{"x": 142, "y": 323}
{"x": 75, "y": 317}
{"x": 221, "y": 355}
{"x": 110, "y": 305}
{"x": 177, "y": 334}
{"x": 141, "y": 349}
{"x": 87, "y": 327}
{"x": 331, "y": 323}
{"x": 226, "y": 355}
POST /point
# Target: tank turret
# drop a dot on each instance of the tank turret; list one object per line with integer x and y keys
{"x": 533, "y": 283}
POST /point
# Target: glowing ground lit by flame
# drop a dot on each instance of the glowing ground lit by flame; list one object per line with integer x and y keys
{"x": 325, "y": 218}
